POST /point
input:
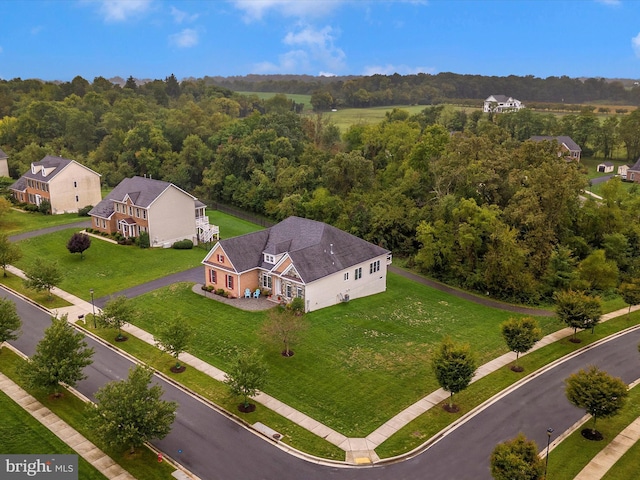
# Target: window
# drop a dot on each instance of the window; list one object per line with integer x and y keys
{"x": 220, "y": 258}
{"x": 288, "y": 290}
{"x": 213, "y": 277}
{"x": 77, "y": 200}
{"x": 299, "y": 292}
{"x": 138, "y": 212}
{"x": 346, "y": 276}
{"x": 266, "y": 281}
{"x": 130, "y": 210}
{"x": 374, "y": 266}
{"x": 75, "y": 184}
{"x": 230, "y": 281}
{"x": 358, "y": 273}
{"x": 269, "y": 258}
{"x": 144, "y": 214}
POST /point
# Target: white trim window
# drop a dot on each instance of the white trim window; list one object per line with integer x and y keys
{"x": 345, "y": 277}
{"x": 374, "y": 267}
{"x": 230, "y": 282}
{"x": 213, "y": 277}
{"x": 358, "y": 273}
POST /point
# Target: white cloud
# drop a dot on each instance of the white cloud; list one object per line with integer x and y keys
{"x": 294, "y": 61}
{"x": 319, "y": 45}
{"x": 121, "y": 10}
{"x": 327, "y": 74}
{"x": 389, "y": 69}
{"x": 635, "y": 44}
{"x": 257, "y": 9}
{"x": 179, "y": 16}
{"x": 185, "y": 39}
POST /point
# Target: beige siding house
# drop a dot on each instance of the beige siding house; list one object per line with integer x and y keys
{"x": 567, "y": 148}
{"x": 4, "y": 164}
{"x": 166, "y": 212}
{"x": 299, "y": 258}
{"x": 66, "y": 184}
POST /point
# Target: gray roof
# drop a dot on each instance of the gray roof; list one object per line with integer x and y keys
{"x": 636, "y": 166}
{"x": 3, "y": 155}
{"x": 19, "y": 185}
{"x": 499, "y": 98}
{"x": 315, "y": 248}
{"x": 57, "y": 163}
{"x": 141, "y": 190}
{"x": 562, "y": 139}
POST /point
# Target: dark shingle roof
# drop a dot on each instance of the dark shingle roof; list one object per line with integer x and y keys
{"x": 636, "y": 166}
{"x": 20, "y": 185}
{"x": 3, "y": 155}
{"x": 141, "y": 190}
{"x": 562, "y": 139}
{"x": 56, "y": 163}
{"x": 500, "y": 98}
{"x": 315, "y": 248}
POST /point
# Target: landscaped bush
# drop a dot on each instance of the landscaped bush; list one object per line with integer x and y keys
{"x": 183, "y": 245}
{"x": 143, "y": 241}
{"x": 297, "y": 305}
{"x": 208, "y": 288}
{"x": 84, "y": 211}
{"x": 30, "y": 207}
{"x": 45, "y": 207}
{"x": 125, "y": 241}
{"x": 222, "y": 292}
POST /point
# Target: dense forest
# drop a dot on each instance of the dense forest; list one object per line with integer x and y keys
{"x": 462, "y": 196}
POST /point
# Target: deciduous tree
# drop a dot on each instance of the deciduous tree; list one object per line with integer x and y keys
{"x": 597, "y": 392}
{"x": 129, "y": 412}
{"x": 246, "y": 377}
{"x": 517, "y": 459}
{"x": 116, "y": 313}
{"x": 283, "y": 327}
{"x": 9, "y": 320}
{"x": 60, "y": 357}
{"x": 78, "y": 243}
{"x": 43, "y": 275}
{"x": 9, "y": 253}
{"x": 578, "y": 310}
{"x": 520, "y": 334}
{"x": 630, "y": 293}
{"x": 454, "y": 367}
{"x": 174, "y": 337}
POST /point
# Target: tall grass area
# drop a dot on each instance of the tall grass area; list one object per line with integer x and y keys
{"x": 358, "y": 363}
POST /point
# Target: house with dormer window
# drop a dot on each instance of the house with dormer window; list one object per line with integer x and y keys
{"x": 66, "y": 184}
{"x": 166, "y": 212}
{"x": 299, "y": 258}
{"x": 501, "y": 104}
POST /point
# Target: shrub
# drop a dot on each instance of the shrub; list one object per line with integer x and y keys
{"x": 30, "y": 207}
{"x": 220, "y": 292}
{"x": 143, "y": 240}
{"x": 84, "y": 211}
{"x": 297, "y": 305}
{"x": 183, "y": 245}
{"x": 45, "y": 207}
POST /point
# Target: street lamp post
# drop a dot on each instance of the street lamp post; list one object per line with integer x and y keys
{"x": 93, "y": 308}
{"x": 546, "y": 464}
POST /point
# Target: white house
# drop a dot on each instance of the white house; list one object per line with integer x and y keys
{"x": 4, "y": 165}
{"x": 501, "y": 103}
{"x": 299, "y": 258}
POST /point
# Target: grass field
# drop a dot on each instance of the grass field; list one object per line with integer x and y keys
{"x": 359, "y": 363}
{"x": 20, "y": 433}
{"x": 19, "y": 222}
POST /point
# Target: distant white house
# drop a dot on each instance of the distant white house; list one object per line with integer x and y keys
{"x": 4, "y": 164}
{"x": 501, "y": 104}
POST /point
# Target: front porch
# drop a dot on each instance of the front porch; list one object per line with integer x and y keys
{"x": 248, "y": 304}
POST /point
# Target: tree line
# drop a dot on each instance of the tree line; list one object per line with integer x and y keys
{"x": 465, "y": 197}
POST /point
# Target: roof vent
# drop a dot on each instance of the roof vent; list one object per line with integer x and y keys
{"x": 331, "y": 248}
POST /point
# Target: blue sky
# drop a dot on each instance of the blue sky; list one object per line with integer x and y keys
{"x": 59, "y": 39}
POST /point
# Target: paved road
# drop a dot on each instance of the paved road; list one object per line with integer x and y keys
{"x": 43, "y": 231}
{"x": 215, "y": 447}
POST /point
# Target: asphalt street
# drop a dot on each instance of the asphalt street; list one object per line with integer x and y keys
{"x": 213, "y": 446}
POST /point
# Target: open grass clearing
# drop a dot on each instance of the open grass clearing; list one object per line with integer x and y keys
{"x": 359, "y": 363}
{"x": 20, "y": 433}
{"x": 427, "y": 425}
{"x": 231, "y": 226}
{"x": 43, "y": 298}
{"x": 18, "y": 221}
{"x": 143, "y": 466}
{"x": 575, "y": 452}
{"x": 218, "y": 393}
{"x": 106, "y": 267}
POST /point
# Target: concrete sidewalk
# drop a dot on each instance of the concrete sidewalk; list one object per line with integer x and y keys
{"x": 357, "y": 450}
{"x": 87, "y": 450}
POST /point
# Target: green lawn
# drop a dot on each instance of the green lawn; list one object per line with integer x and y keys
{"x": 143, "y": 465}
{"x": 231, "y": 226}
{"x": 19, "y": 222}
{"x": 20, "y": 433}
{"x": 575, "y": 452}
{"x": 362, "y": 362}
{"x": 627, "y": 467}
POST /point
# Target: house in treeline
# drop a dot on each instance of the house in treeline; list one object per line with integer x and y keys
{"x": 4, "y": 164}
{"x": 501, "y": 104}
{"x": 166, "y": 212}
{"x": 66, "y": 184}
{"x": 299, "y": 258}
{"x": 633, "y": 172}
{"x": 567, "y": 148}
{"x": 623, "y": 170}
